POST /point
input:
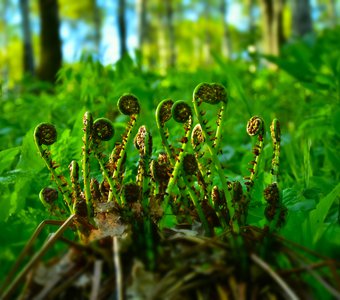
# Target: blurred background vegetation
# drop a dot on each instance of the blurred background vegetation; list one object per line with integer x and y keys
{"x": 38, "y": 36}
{"x": 277, "y": 58}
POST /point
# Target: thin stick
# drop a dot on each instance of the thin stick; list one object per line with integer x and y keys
{"x": 260, "y": 262}
{"x": 98, "y": 268}
{"x": 37, "y": 257}
{"x": 118, "y": 268}
{"x": 28, "y": 246}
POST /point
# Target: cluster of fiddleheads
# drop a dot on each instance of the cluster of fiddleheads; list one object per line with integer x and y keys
{"x": 186, "y": 181}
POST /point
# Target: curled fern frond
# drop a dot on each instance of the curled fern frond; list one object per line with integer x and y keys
{"x": 197, "y": 137}
{"x": 190, "y": 165}
{"x": 45, "y": 134}
{"x": 275, "y": 133}
{"x": 255, "y": 127}
{"x": 275, "y": 211}
{"x": 163, "y": 111}
{"x": 163, "y": 115}
{"x": 48, "y": 197}
{"x": 128, "y": 104}
{"x": 181, "y": 111}
{"x": 102, "y": 130}
{"x": 143, "y": 141}
{"x": 212, "y": 93}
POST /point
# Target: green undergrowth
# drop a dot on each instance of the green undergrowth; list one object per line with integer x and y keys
{"x": 303, "y": 94}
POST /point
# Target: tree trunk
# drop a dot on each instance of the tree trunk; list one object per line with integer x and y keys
{"x": 302, "y": 20}
{"x": 252, "y": 21}
{"x": 226, "y": 40}
{"x": 28, "y": 56}
{"x": 50, "y": 42}
{"x": 97, "y": 22}
{"x": 273, "y": 36}
{"x": 142, "y": 23}
{"x": 122, "y": 27}
{"x": 171, "y": 33}
{"x": 207, "y": 42}
{"x": 4, "y": 41}
{"x": 332, "y": 13}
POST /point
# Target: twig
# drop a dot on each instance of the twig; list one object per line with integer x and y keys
{"x": 98, "y": 268}
{"x": 260, "y": 262}
{"x": 37, "y": 257}
{"x": 118, "y": 268}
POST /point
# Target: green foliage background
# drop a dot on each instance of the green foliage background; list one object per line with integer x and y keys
{"x": 303, "y": 93}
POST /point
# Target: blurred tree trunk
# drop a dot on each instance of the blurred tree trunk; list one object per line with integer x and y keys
{"x": 273, "y": 36}
{"x": 169, "y": 12}
{"x": 208, "y": 38}
{"x": 141, "y": 6}
{"x": 28, "y": 56}
{"x": 302, "y": 20}
{"x": 97, "y": 22}
{"x": 4, "y": 41}
{"x": 332, "y": 12}
{"x": 122, "y": 27}
{"x": 50, "y": 42}
{"x": 226, "y": 41}
{"x": 250, "y": 7}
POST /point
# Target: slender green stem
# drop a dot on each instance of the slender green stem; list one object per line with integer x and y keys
{"x": 215, "y": 162}
{"x": 118, "y": 156}
{"x": 163, "y": 114}
{"x": 45, "y": 134}
{"x": 87, "y": 139}
{"x": 275, "y": 133}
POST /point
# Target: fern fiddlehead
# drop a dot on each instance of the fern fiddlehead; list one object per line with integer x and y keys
{"x": 275, "y": 133}
{"x": 103, "y": 130}
{"x": 213, "y": 94}
{"x": 255, "y": 127}
{"x": 275, "y": 211}
{"x": 87, "y": 140}
{"x": 45, "y": 134}
{"x": 128, "y": 104}
{"x": 163, "y": 114}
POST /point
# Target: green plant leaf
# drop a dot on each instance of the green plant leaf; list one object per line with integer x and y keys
{"x": 318, "y": 216}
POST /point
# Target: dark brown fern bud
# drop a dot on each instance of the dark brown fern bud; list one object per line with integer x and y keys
{"x": 255, "y": 126}
{"x": 131, "y": 192}
{"x": 181, "y": 111}
{"x": 128, "y": 104}
{"x": 275, "y": 131}
{"x": 160, "y": 171}
{"x": 143, "y": 141}
{"x": 103, "y": 129}
{"x": 163, "y": 112}
{"x": 45, "y": 134}
{"x": 237, "y": 192}
{"x": 95, "y": 190}
{"x": 190, "y": 165}
{"x": 81, "y": 207}
{"x": 197, "y": 136}
{"x": 48, "y": 196}
{"x": 272, "y": 194}
{"x": 210, "y": 93}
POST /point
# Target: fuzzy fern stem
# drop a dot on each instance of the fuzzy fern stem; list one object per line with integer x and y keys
{"x": 45, "y": 135}
{"x": 213, "y": 94}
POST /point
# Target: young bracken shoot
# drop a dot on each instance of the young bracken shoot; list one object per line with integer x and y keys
{"x": 178, "y": 222}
